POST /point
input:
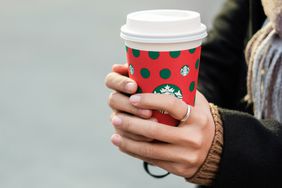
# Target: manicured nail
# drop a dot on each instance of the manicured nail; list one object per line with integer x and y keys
{"x": 116, "y": 139}
{"x": 130, "y": 87}
{"x": 116, "y": 121}
{"x": 135, "y": 99}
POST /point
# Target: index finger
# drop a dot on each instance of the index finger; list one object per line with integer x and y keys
{"x": 120, "y": 69}
{"x": 174, "y": 106}
{"x": 120, "y": 83}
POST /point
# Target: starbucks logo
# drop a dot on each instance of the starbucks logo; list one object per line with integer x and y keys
{"x": 185, "y": 70}
{"x": 168, "y": 89}
{"x": 131, "y": 69}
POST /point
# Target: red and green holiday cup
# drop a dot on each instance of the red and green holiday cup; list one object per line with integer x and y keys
{"x": 163, "y": 50}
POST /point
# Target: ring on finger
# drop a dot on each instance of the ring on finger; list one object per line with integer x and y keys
{"x": 187, "y": 114}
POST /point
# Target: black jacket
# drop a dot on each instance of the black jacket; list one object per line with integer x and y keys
{"x": 252, "y": 152}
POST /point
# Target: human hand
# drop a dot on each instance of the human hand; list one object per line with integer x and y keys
{"x": 179, "y": 150}
{"x": 123, "y": 86}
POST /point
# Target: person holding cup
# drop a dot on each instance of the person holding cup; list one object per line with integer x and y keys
{"x": 214, "y": 146}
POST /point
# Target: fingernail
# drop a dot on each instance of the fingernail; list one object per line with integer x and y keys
{"x": 116, "y": 121}
{"x": 130, "y": 87}
{"x": 135, "y": 99}
{"x": 146, "y": 112}
{"x": 116, "y": 139}
{"x": 114, "y": 67}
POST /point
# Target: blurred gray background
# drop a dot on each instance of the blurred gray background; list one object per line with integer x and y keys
{"x": 54, "y": 120}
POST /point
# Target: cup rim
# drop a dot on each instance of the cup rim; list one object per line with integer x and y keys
{"x": 172, "y": 38}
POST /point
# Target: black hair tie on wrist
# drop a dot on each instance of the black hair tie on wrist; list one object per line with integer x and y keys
{"x": 146, "y": 167}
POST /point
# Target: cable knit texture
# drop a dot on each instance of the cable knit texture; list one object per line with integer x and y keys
{"x": 273, "y": 10}
{"x": 206, "y": 174}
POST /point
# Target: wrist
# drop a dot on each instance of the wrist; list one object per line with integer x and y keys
{"x": 207, "y": 172}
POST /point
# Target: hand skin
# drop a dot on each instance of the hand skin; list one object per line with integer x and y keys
{"x": 180, "y": 150}
{"x": 123, "y": 86}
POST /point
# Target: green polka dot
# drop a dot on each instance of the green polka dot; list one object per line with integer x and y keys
{"x": 192, "y": 86}
{"x": 139, "y": 90}
{"x": 192, "y": 50}
{"x": 175, "y": 54}
{"x": 136, "y": 53}
{"x": 197, "y": 63}
{"x": 145, "y": 73}
{"x": 165, "y": 73}
{"x": 154, "y": 55}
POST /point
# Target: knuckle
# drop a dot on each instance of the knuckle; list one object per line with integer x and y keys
{"x": 122, "y": 81}
{"x": 151, "y": 131}
{"x": 198, "y": 141}
{"x": 184, "y": 138}
{"x": 203, "y": 120}
{"x": 194, "y": 160}
{"x": 172, "y": 102}
{"x": 193, "y": 139}
{"x": 147, "y": 151}
{"x": 133, "y": 110}
{"x": 127, "y": 123}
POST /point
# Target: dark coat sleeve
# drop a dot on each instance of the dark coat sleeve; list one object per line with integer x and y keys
{"x": 222, "y": 77}
{"x": 252, "y": 152}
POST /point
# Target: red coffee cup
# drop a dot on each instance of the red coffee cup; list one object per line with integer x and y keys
{"x": 163, "y": 54}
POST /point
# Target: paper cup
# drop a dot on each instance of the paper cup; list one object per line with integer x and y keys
{"x": 163, "y": 53}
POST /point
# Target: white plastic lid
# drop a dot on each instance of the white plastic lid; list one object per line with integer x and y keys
{"x": 163, "y": 26}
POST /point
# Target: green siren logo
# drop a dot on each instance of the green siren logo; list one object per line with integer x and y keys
{"x": 168, "y": 89}
{"x": 185, "y": 70}
{"x": 131, "y": 69}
